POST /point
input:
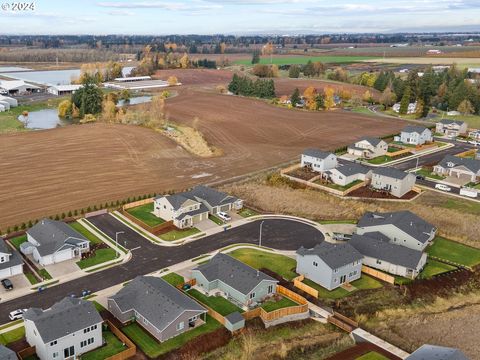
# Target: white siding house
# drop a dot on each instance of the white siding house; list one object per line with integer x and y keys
{"x": 318, "y": 160}
{"x": 396, "y": 182}
{"x": 346, "y": 174}
{"x": 368, "y": 148}
{"x": 11, "y": 262}
{"x": 416, "y": 135}
{"x": 451, "y": 128}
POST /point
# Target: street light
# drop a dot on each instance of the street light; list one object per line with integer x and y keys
{"x": 260, "y": 237}
{"x": 116, "y": 241}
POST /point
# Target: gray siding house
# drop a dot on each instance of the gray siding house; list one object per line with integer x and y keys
{"x": 379, "y": 253}
{"x": 330, "y": 265}
{"x": 401, "y": 227}
{"x": 234, "y": 280}
{"x": 318, "y": 160}
{"x": 157, "y": 306}
{"x": 346, "y": 174}
{"x": 451, "y": 128}
{"x": 396, "y": 182}
{"x": 68, "y": 329}
{"x": 433, "y": 352}
{"x": 416, "y": 135}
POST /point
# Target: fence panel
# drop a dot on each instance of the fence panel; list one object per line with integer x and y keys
{"x": 297, "y": 282}
{"x": 152, "y": 229}
{"x": 378, "y": 274}
{"x": 292, "y": 295}
{"x": 26, "y": 353}
{"x": 340, "y": 324}
{"x": 131, "y": 347}
{"x": 345, "y": 319}
{"x": 191, "y": 282}
{"x": 137, "y": 203}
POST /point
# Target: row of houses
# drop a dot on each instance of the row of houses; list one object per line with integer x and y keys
{"x": 461, "y": 168}
{"x": 391, "y": 242}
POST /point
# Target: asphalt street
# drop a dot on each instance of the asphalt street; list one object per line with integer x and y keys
{"x": 279, "y": 234}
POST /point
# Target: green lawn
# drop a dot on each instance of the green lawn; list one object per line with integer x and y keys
{"x": 246, "y": 212}
{"x": 98, "y": 306}
{"x": 179, "y": 234}
{"x": 364, "y": 283}
{"x": 429, "y": 174}
{"x": 113, "y": 346}
{"x": 275, "y": 305}
{"x": 17, "y": 241}
{"x": 217, "y": 303}
{"x": 282, "y": 265}
{"x": 31, "y": 278}
{"x": 434, "y": 267}
{"x": 153, "y": 348}
{"x": 301, "y": 60}
{"x": 216, "y": 220}
{"x": 372, "y": 355}
{"x": 328, "y": 222}
{"x": 145, "y": 213}
{"x": 385, "y": 159}
{"x": 44, "y": 274}
{"x": 82, "y": 230}
{"x": 174, "y": 279}
{"x": 346, "y": 187}
{"x": 101, "y": 256}
{"x": 12, "y": 335}
{"x": 472, "y": 207}
{"x": 454, "y": 251}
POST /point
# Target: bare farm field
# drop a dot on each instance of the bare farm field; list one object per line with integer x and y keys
{"x": 197, "y": 76}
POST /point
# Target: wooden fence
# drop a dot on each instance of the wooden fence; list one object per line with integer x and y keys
{"x": 26, "y": 353}
{"x": 378, "y": 274}
{"x": 158, "y": 229}
{"x": 297, "y": 282}
{"x": 191, "y": 282}
{"x": 398, "y": 153}
{"x": 137, "y": 203}
{"x": 131, "y": 347}
{"x": 346, "y": 327}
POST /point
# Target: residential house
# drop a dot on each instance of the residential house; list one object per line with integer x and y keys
{"x": 368, "y": 148}
{"x": 51, "y": 241}
{"x": 433, "y": 352}
{"x": 71, "y": 327}
{"x": 401, "y": 227}
{"x": 7, "y": 354}
{"x": 411, "y": 109}
{"x": 237, "y": 281}
{"x": 396, "y": 182}
{"x": 330, "y": 265}
{"x": 462, "y": 168}
{"x": 379, "y": 253}
{"x": 346, "y": 174}
{"x": 11, "y": 262}
{"x": 416, "y": 135}
{"x": 157, "y": 306}
{"x": 191, "y": 207}
{"x": 451, "y": 128}
{"x": 318, "y": 160}
{"x": 17, "y": 87}
{"x": 474, "y": 135}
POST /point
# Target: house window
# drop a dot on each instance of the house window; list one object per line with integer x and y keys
{"x": 335, "y": 271}
{"x": 83, "y": 343}
{"x": 270, "y": 289}
{"x": 336, "y": 280}
{"x": 315, "y": 263}
{"x": 2, "y": 259}
{"x": 378, "y": 261}
{"x": 180, "y": 326}
{"x": 70, "y": 351}
{"x": 55, "y": 355}
{"x": 53, "y": 343}
{"x": 355, "y": 272}
{"x": 90, "y": 341}
{"x": 192, "y": 319}
{"x": 145, "y": 321}
{"x": 252, "y": 295}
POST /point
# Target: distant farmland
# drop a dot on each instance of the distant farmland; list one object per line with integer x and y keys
{"x": 300, "y": 60}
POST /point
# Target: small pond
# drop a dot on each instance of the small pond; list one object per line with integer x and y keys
{"x": 135, "y": 100}
{"x": 43, "y": 119}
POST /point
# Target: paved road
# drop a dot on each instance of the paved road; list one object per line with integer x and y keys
{"x": 277, "y": 233}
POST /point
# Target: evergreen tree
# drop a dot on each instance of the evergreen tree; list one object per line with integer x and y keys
{"x": 295, "y": 98}
{"x": 256, "y": 56}
{"x": 308, "y": 69}
{"x": 405, "y": 101}
{"x": 294, "y": 71}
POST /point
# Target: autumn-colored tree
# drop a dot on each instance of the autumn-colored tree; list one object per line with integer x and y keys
{"x": 466, "y": 107}
{"x": 274, "y": 70}
{"x": 388, "y": 97}
{"x": 367, "y": 97}
{"x": 184, "y": 61}
{"x": 172, "y": 80}
{"x": 329, "y": 98}
{"x": 310, "y": 95}
{"x": 65, "y": 109}
{"x": 222, "y": 47}
{"x": 345, "y": 94}
{"x": 419, "y": 109}
{"x": 108, "y": 110}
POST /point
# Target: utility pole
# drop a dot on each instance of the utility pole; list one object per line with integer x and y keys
{"x": 116, "y": 241}
{"x": 260, "y": 236}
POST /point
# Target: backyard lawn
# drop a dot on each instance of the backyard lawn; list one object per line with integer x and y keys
{"x": 17, "y": 241}
{"x": 280, "y": 304}
{"x": 113, "y": 346}
{"x": 152, "y": 348}
{"x": 282, "y": 265}
{"x": 173, "y": 279}
{"x": 178, "y": 234}
{"x": 433, "y": 268}
{"x": 101, "y": 256}
{"x": 340, "y": 187}
{"x": 82, "y": 230}
{"x": 364, "y": 283}
{"x": 12, "y": 335}
{"x": 217, "y": 303}
{"x": 372, "y": 355}
{"x": 145, "y": 213}
{"x": 454, "y": 251}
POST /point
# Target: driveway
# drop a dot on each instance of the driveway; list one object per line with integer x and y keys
{"x": 206, "y": 225}
{"x": 62, "y": 268}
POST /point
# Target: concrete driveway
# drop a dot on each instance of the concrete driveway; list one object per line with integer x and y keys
{"x": 18, "y": 281}
{"x": 62, "y": 268}
{"x": 206, "y": 225}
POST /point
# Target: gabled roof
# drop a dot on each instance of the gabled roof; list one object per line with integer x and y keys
{"x": 232, "y": 272}
{"x": 54, "y": 235}
{"x": 449, "y": 122}
{"x": 14, "y": 84}
{"x": 176, "y": 200}
{"x": 234, "y": 317}
{"x": 15, "y": 258}
{"x": 391, "y": 172}
{"x": 471, "y": 164}
{"x": 414, "y": 129}
{"x": 211, "y": 196}
{"x": 202, "y": 209}
{"x": 7, "y": 354}
{"x": 4, "y": 247}
{"x": 63, "y": 318}
{"x": 371, "y": 140}
{"x": 433, "y": 352}
{"x": 156, "y": 300}
{"x": 351, "y": 169}
{"x": 377, "y": 246}
{"x": 334, "y": 255}
{"x": 406, "y": 221}
{"x": 317, "y": 153}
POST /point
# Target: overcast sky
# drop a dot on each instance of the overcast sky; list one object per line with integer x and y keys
{"x": 240, "y": 16}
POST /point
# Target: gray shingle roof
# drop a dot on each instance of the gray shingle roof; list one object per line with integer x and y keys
{"x": 63, "y": 318}
{"x": 448, "y": 122}
{"x": 334, "y": 255}
{"x": 432, "y": 352}
{"x": 352, "y": 169}
{"x": 234, "y": 317}
{"x": 391, "y": 172}
{"x": 7, "y": 354}
{"x": 414, "y": 129}
{"x": 4, "y": 248}
{"x": 52, "y": 235}
{"x": 317, "y": 153}
{"x": 406, "y": 221}
{"x": 209, "y": 195}
{"x": 15, "y": 259}
{"x": 233, "y": 273}
{"x": 155, "y": 299}
{"x": 176, "y": 200}
{"x": 471, "y": 164}
{"x": 372, "y": 140}
{"x": 376, "y": 245}
{"x": 201, "y": 210}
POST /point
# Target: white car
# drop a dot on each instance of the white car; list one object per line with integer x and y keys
{"x": 443, "y": 187}
{"x": 224, "y": 216}
{"x": 473, "y": 142}
{"x": 17, "y": 314}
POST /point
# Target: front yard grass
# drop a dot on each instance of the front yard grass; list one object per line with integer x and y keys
{"x": 98, "y": 306}
{"x": 113, "y": 346}
{"x": 101, "y": 256}
{"x": 364, "y": 283}
{"x": 152, "y": 348}
{"x": 429, "y": 174}
{"x": 12, "y": 335}
{"x": 217, "y": 303}
{"x": 454, "y": 251}
{"x": 282, "y": 265}
{"x": 372, "y": 355}
{"x": 83, "y": 230}
{"x": 44, "y": 274}
{"x": 179, "y": 234}
{"x": 174, "y": 279}
{"x": 434, "y": 267}
{"x": 216, "y": 220}
{"x": 19, "y": 240}
{"x": 330, "y": 222}
{"x": 246, "y": 212}
{"x": 280, "y": 304}
{"x": 145, "y": 214}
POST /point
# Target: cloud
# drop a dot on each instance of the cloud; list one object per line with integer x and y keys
{"x": 120, "y": 12}
{"x": 165, "y": 5}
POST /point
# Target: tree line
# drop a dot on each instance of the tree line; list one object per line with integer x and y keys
{"x": 243, "y": 85}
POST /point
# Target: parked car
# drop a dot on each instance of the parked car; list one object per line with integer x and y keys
{"x": 443, "y": 187}
{"x": 420, "y": 177}
{"x": 17, "y": 314}
{"x": 224, "y": 216}
{"x": 474, "y": 142}
{"x": 469, "y": 192}
{"x": 7, "y": 284}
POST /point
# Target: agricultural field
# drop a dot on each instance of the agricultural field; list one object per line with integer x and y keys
{"x": 300, "y": 60}
{"x": 427, "y": 60}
